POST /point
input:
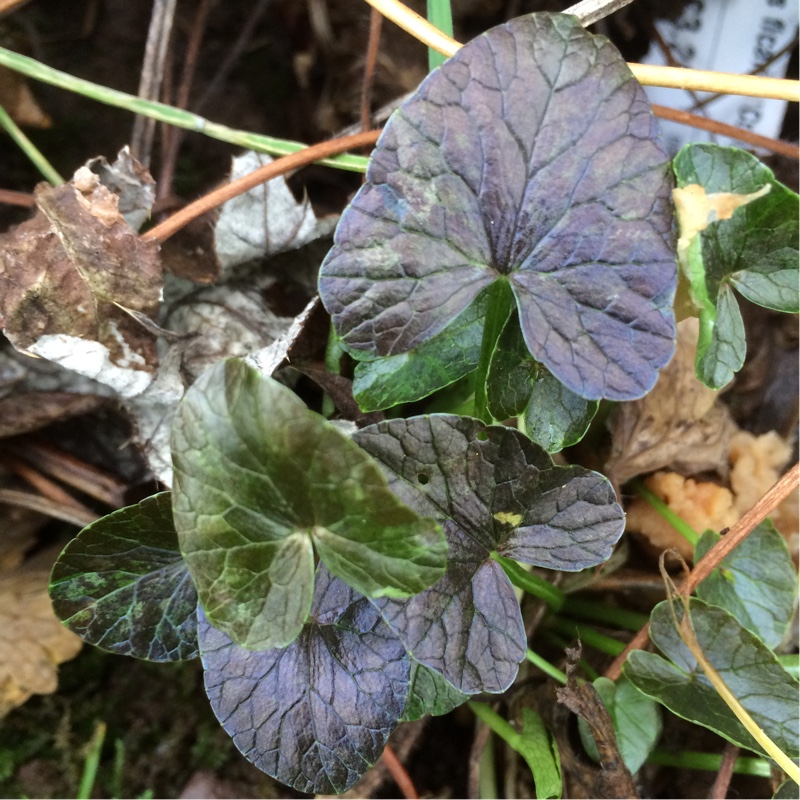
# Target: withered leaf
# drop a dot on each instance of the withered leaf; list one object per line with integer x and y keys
{"x": 680, "y": 425}
{"x": 29, "y": 411}
{"x": 61, "y": 274}
{"x": 32, "y": 640}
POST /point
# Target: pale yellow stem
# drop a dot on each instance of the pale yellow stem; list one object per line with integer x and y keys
{"x": 646, "y": 74}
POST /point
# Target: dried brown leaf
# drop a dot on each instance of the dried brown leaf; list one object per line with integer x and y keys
{"x": 32, "y": 640}
{"x": 61, "y": 275}
{"x": 29, "y": 411}
{"x": 680, "y": 425}
{"x": 18, "y": 100}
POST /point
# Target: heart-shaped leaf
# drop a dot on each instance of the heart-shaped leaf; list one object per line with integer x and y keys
{"x": 495, "y": 491}
{"x": 739, "y": 228}
{"x": 757, "y": 582}
{"x": 385, "y": 382}
{"x": 317, "y": 714}
{"x": 531, "y": 156}
{"x": 122, "y": 585}
{"x": 749, "y": 669}
{"x": 512, "y": 372}
{"x": 258, "y": 478}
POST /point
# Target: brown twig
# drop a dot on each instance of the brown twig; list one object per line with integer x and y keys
{"x": 52, "y": 491}
{"x": 172, "y": 137}
{"x": 17, "y": 198}
{"x": 44, "y": 505}
{"x": 280, "y": 166}
{"x": 70, "y": 470}
{"x": 735, "y": 536}
{"x": 152, "y": 74}
{"x": 398, "y": 772}
{"x": 719, "y": 789}
{"x": 369, "y": 68}
{"x": 742, "y": 134}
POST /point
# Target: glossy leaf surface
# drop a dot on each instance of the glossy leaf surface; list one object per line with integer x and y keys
{"x": 258, "y": 479}
{"x": 511, "y": 374}
{"x": 315, "y": 715}
{"x": 749, "y": 669}
{"x": 556, "y": 417}
{"x": 532, "y": 153}
{"x": 739, "y": 228}
{"x": 122, "y": 585}
{"x": 757, "y": 582}
{"x": 494, "y": 490}
{"x": 385, "y": 382}
{"x": 430, "y": 693}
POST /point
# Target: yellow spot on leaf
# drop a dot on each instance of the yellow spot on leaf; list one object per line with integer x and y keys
{"x": 507, "y": 518}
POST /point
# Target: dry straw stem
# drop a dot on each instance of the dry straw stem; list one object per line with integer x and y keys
{"x": 646, "y": 74}
{"x": 726, "y": 545}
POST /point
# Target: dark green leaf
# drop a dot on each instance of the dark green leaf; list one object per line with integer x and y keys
{"x": 748, "y": 238}
{"x": 530, "y": 156}
{"x": 384, "y": 382}
{"x": 430, "y": 693}
{"x": 786, "y": 791}
{"x": 494, "y": 490}
{"x": 555, "y": 417}
{"x": 750, "y": 670}
{"x": 757, "y": 583}
{"x": 636, "y": 718}
{"x": 258, "y": 478}
{"x": 511, "y": 373}
{"x": 122, "y": 585}
{"x": 317, "y": 714}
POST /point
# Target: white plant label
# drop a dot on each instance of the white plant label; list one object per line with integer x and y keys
{"x": 736, "y": 36}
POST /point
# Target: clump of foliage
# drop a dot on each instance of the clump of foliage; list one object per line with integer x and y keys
{"x": 514, "y": 237}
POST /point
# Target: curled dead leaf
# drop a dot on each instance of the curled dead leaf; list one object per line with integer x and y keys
{"x": 62, "y": 274}
{"x": 680, "y": 425}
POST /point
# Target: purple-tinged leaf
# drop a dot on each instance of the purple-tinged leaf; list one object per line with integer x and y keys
{"x": 530, "y": 156}
{"x": 315, "y": 715}
{"x": 495, "y": 491}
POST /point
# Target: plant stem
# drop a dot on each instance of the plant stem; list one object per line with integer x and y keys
{"x": 531, "y": 583}
{"x": 440, "y": 16}
{"x": 646, "y": 74}
{"x": 92, "y": 762}
{"x": 665, "y": 512}
{"x": 164, "y": 113}
{"x": 498, "y": 310}
{"x": 605, "y": 644}
{"x": 30, "y": 149}
{"x": 709, "y": 761}
{"x": 307, "y": 155}
{"x": 598, "y": 612}
{"x": 546, "y": 667}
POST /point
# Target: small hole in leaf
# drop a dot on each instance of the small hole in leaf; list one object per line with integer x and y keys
{"x": 482, "y": 436}
{"x": 422, "y": 478}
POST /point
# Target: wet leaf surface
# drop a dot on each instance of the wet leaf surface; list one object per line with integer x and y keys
{"x": 494, "y": 490}
{"x": 258, "y": 478}
{"x": 315, "y": 715}
{"x": 122, "y": 585}
{"x": 530, "y": 156}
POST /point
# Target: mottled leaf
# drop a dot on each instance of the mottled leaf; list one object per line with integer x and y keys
{"x": 494, "y": 490}
{"x": 757, "y": 582}
{"x": 122, "y": 585}
{"x": 430, "y": 693}
{"x": 749, "y": 669}
{"x": 739, "y": 227}
{"x": 529, "y": 156}
{"x": 556, "y": 417}
{"x": 316, "y": 714}
{"x": 384, "y": 382}
{"x": 512, "y": 372}
{"x": 258, "y": 478}
{"x": 637, "y": 722}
